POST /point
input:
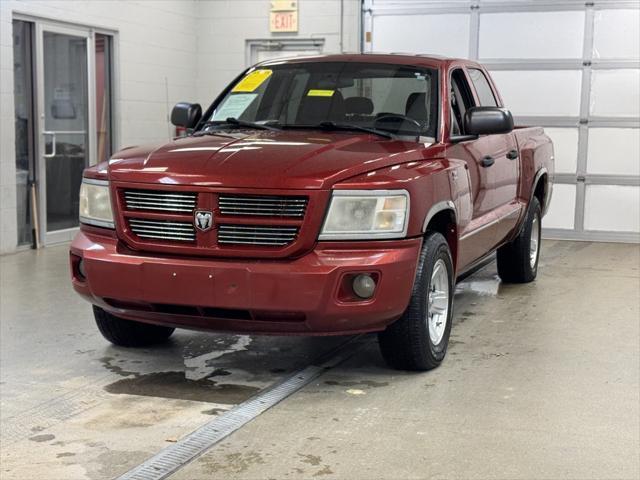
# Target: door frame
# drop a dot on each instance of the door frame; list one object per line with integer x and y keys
{"x": 41, "y": 24}
{"x": 65, "y": 235}
{"x": 253, "y": 46}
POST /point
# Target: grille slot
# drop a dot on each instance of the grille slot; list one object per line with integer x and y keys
{"x": 160, "y": 201}
{"x": 163, "y": 229}
{"x": 256, "y": 235}
{"x": 267, "y": 206}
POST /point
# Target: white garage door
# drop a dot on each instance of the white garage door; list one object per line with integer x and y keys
{"x": 573, "y": 67}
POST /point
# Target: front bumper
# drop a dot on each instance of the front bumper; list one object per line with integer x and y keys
{"x": 303, "y": 296}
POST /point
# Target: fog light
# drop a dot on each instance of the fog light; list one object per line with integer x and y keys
{"x": 81, "y": 269}
{"x": 363, "y": 285}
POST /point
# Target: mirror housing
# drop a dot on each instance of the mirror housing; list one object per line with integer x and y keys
{"x": 186, "y": 114}
{"x": 487, "y": 121}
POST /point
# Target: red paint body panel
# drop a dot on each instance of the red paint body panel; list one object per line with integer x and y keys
{"x": 298, "y": 288}
{"x": 304, "y": 289}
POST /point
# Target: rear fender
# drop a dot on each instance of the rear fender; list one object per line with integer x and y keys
{"x": 547, "y": 197}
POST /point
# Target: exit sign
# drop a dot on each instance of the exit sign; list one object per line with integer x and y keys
{"x": 283, "y": 16}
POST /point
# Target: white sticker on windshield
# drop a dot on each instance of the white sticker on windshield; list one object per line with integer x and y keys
{"x": 234, "y": 106}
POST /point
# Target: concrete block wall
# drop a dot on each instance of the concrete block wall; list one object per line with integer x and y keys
{"x": 156, "y": 65}
{"x": 167, "y": 51}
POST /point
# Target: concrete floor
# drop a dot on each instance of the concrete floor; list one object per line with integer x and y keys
{"x": 541, "y": 381}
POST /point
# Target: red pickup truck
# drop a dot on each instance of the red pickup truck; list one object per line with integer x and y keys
{"x": 329, "y": 195}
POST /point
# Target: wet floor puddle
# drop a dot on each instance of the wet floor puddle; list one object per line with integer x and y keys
{"x": 176, "y": 386}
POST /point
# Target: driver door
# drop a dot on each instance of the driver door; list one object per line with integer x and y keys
{"x": 477, "y": 237}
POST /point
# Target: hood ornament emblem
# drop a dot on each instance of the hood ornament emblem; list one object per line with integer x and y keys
{"x": 203, "y": 220}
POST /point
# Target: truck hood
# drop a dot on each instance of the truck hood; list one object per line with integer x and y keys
{"x": 288, "y": 159}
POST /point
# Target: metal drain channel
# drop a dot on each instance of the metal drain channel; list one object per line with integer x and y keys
{"x": 174, "y": 457}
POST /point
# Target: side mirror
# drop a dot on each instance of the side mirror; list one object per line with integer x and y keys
{"x": 186, "y": 115}
{"x": 487, "y": 121}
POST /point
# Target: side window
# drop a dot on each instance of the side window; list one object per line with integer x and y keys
{"x": 461, "y": 100}
{"x": 483, "y": 89}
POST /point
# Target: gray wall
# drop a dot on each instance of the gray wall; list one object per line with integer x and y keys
{"x": 168, "y": 51}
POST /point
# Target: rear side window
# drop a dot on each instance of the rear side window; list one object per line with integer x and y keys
{"x": 483, "y": 89}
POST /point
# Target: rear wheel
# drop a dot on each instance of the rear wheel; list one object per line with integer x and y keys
{"x": 419, "y": 339}
{"x": 518, "y": 260}
{"x": 127, "y": 333}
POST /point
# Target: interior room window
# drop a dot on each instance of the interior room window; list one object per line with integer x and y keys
{"x": 483, "y": 89}
{"x": 104, "y": 48}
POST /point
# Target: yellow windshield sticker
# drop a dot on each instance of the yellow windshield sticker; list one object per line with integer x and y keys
{"x": 320, "y": 93}
{"x": 252, "y": 81}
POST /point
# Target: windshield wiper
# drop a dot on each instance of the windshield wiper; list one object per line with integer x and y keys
{"x": 351, "y": 126}
{"x": 341, "y": 126}
{"x": 201, "y": 133}
{"x": 234, "y": 122}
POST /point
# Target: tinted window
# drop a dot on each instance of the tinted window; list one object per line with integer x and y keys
{"x": 482, "y": 88}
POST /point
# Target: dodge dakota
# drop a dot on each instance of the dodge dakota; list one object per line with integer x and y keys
{"x": 324, "y": 195}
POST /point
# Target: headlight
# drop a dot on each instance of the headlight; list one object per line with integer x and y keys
{"x": 95, "y": 203}
{"x": 366, "y": 214}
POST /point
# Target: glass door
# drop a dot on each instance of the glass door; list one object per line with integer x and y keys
{"x": 64, "y": 57}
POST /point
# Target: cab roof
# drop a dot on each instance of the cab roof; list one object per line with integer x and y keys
{"x": 428, "y": 60}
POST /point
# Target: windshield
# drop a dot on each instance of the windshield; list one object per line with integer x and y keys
{"x": 399, "y": 99}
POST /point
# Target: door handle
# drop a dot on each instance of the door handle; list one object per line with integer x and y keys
{"x": 512, "y": 155}
{"x": 488, "y": 161}
{"x": 53, "y": 144}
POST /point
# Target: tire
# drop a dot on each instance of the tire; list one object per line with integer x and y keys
{"x": 410, "y": 343}
{"x": 128, "y": 333}
{"x": 517, "y": 262}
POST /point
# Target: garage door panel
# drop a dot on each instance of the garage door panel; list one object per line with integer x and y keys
{"x": 522, "y": 91}
{"x": 615, "y": 93}
{"x": 562, "y": 208}
{"x": 612, "y": 208}
{"x": 616, "y": 34}
{"x": 565, "y": 147}
{"x": 422, "y": 34}
{"x": 541, "y": 55}
{"x": 614, "y": 151}
{"x": 531, "y": 35}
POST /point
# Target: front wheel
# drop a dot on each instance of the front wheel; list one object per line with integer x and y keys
{"x": 127, "y": 333}
{"x": 419, "y": 339}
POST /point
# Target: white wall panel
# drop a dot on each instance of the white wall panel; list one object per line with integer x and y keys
{"x": 616, "y": 34}
{"x": 612, "y": 208}
{"x": 551, "y": 49}
{"x": 562, "y": 207}
{"x": 614, "y": 151}
{"x": 565, "y": 147}
{"x": 543, "y": 92}
{"x": 531, "y": 35}
{"x": 615, "y": 93}
{"x": 422, "y": 34}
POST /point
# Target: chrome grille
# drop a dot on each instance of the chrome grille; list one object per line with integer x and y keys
{"x": 158, "y": 200}
{"x": 163, "y": 229}
{"x": 259, "y": 205}
{"x": 256, "y": 235}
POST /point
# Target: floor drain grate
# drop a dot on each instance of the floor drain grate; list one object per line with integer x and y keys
{"x": 176, "y": 456}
